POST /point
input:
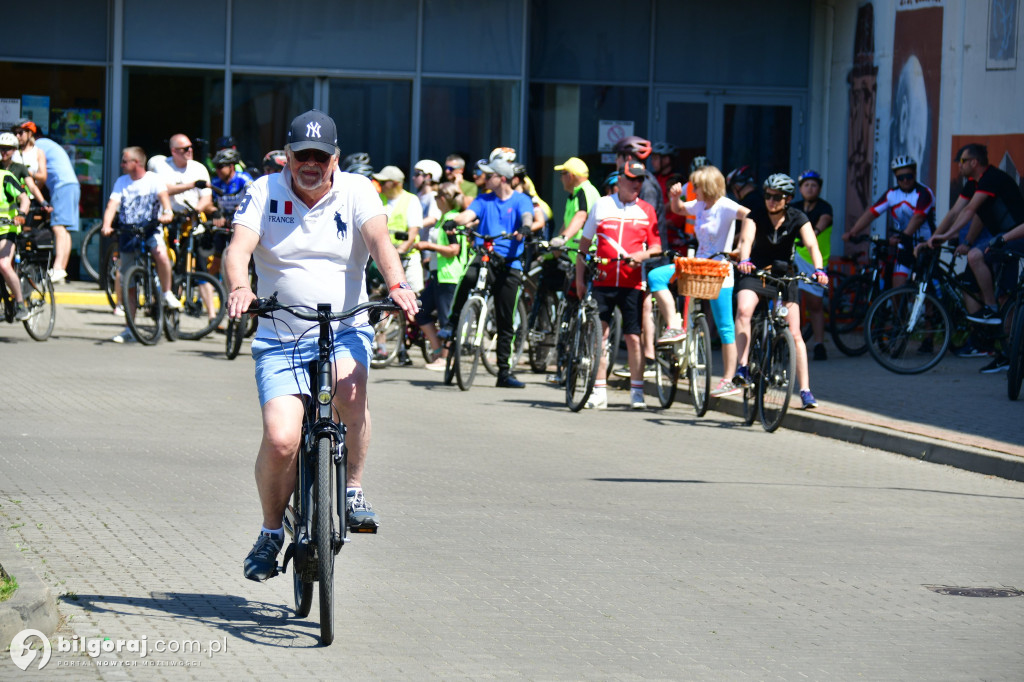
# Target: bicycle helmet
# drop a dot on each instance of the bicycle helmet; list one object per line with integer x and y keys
{"x": 663, "y": 149}
{"x": 781, "y": 183}
{"x": 226, "y": 157}
{"x": 503, "y": 153}
{"x": 431, "y": 168}
{"x": 364, "y": 169}
{"x": 355, "y": 158}
{"x": 699, "y": 162}
{"x": 637, "y": 146}
{"x": 518, "y": 171}
{"x": 611, "y": 181}
{"x": 225, "y": 142}
{"x": 902, "y": 161}
{"x": 275, "y": 161}
{"x": 809, "y": 175}
{"x": 155, "y": 161}
{"x": 740, "y": 176}
{"x": 8, "y": 140}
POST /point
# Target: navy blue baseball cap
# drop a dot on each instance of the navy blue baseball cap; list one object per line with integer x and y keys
{"x": 313, "y": 130}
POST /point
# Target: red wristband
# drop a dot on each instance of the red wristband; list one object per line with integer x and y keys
{"x": 400, "y": 285}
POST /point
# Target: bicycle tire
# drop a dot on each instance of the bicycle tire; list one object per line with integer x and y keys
{"x": 848, "y": 307}
{"x": 891, "y": 340}
{"x": 700, "y": 364}
{"x": 666, "y": 365}
{"x": 775, "y": 382}
{"x": 1015, "y": 374}
{"x": 468, "y": 336}
{"x": 611, "y": 348}
{"x": 193, "y": 321}
{"x": 449, "y": 365}
{"x": 233, "y": 335}
{"x": 302, "y": 586}
{"x": 539, "y": 353}
{"x": 323, "y": 522}
{"x": 108, "y": 273}
{"x": 86, "y": 247}
{"x": 37, "y": 291}
{"x": 584, "y": 358}
{"x": 489, "y": 354}
{"x": 754, "y": 362}
{"x": 391, "y": 332}
{"x": 148, "y": 322}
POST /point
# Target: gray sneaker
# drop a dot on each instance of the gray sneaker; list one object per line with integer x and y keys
{"x": 21, "y": 312}
{"x": 261, "y": 563}
{"x": 361, "y": 518}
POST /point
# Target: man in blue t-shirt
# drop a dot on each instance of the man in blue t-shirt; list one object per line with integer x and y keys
{"x": 501, "y": 211}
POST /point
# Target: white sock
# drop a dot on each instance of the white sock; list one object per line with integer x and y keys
{"x": 279, "y": 532}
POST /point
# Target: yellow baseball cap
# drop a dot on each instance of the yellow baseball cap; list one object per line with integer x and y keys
{"x": 575, "y": 166}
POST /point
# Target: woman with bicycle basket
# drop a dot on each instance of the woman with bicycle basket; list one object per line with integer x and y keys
{"x": 768, "y": 238}
{"x": 715, "y": 217}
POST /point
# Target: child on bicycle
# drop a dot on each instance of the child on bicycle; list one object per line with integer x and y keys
{"x": 767, "y": 238}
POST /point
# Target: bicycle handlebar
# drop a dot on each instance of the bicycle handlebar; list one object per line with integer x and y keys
{"x": 264, "y": 306}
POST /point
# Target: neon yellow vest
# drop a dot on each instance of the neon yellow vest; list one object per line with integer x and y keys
{"x": 396, "y": 221}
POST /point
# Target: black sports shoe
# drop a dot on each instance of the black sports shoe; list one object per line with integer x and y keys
{"x": 361, "y": 518}
{"x": 998, "y": 364}
{"x": 986, "y": 315}
{"x": 819, "y": 352}
{"x": 509, "y": 381}
{"x": 261, "y": 563}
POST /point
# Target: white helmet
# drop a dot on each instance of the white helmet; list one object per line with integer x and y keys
{"x": 155, "y": 161}
{"x": 431, "y": 168}
{"x": 780, "y": 182}
{"x": 902, "y": 161}
{"x": 503, "y": 153}
{"x": 8, "y": 140}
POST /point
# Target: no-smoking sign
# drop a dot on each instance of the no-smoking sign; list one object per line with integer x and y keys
{"x": 610, "y": 132}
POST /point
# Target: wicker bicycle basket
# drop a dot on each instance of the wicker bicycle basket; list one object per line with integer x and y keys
{"x": 700, "y": 277}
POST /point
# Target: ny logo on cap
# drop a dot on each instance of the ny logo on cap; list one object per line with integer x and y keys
{"x": 312, "y": 129}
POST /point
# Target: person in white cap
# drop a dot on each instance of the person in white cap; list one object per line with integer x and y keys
{"x": 310, "y": 230}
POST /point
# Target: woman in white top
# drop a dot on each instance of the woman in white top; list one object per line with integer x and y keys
{"x": 28, "y": 154}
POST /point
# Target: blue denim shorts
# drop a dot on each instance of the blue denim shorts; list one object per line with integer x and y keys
{"x": 282, "y": 368}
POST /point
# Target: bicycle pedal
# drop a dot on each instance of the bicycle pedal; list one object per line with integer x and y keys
{"x": 364, "y": 529}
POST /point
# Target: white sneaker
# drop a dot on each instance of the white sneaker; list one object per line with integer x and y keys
{"x": 57, "y": 275}
{"x": 125, "y": 336}
{"x": 119, "y": 311}
{"x": 598, "y": 400}
{"x": 172, "y": 301}
{"x": 438, "y": 365}
{"x": 636, "y": 399}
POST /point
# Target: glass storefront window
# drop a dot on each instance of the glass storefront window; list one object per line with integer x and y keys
{"x": 467, "y": 117}
{"x": 68, "y": 103}
{"x": 375, "y": 117}
{"x": 757, "y": 135}
{"x": 170, "y": 33}
{"x": 262, "y": 107}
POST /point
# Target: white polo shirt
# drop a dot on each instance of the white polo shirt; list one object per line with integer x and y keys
{"x": 309, "y": 255}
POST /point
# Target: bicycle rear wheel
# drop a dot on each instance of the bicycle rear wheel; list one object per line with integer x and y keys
{"x": 848, "y": 307}
{"x": 666, "y": 365}
{"x": 904, "y": 335}
{"x": 323, "y": 522}
{"x": 542, "y": 334}
{"x": 194, "y": 320}
{"x": 699, "y": 371}
{"x": 37, "y": 290}
{"x": 1015, "y": 375}
{"x": 754, "y": 363}
{"x": 92, "y": 257}
{"x": 775, "y": 383}
{"x": 584, "y": 356}
{"x": 109, "y": 269}
{"x": 140, "y": 288}
{"x": 468, "y": 337}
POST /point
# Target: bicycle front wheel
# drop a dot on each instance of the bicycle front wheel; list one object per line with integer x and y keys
{"x": 1015, "y": 375}
{"x": 109, "y": 269}
{"x": 37, "y": 290}
{"x": 848, "y": 307}
{"x": 775, "y": 382}
{"x": 468, "y": 337}
{"x": 584, "y": 356}
{"x": 698, "y": 346}
{"x": 905, "y": 333}
{"x": 139, "y": 289}
{"x": 233, "y": 336}
{"x": 389, "y": 335}
{"x": 92, "y": 257}
{"x": 323, "y": 522}
{"x": 195, "y": 320}
{"x": 666, "y": 365}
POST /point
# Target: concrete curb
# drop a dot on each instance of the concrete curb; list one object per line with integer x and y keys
{"x": 961, "y": 456}
{"x": 32, "y": 606}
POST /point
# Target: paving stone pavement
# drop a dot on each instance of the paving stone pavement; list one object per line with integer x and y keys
{"x": 519, "y": 541}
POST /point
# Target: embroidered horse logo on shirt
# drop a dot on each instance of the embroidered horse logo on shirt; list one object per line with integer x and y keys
{"x": 342, "y": 226}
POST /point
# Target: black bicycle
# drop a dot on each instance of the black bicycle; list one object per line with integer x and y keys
{"x": 851, "y": 296}
{"x": 32, "y": 261}
{"x": 204, "y": 301}
{"x": 316, "y": 520}
{"x": 141, "y": 293}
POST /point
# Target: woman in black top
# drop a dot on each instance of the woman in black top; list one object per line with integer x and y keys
{"x": 776, "y": 226}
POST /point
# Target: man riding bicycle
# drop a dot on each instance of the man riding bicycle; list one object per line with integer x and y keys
{"x": 310, "y": 230}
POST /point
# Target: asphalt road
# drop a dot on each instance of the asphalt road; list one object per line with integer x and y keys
{"x": 519, "y": 541}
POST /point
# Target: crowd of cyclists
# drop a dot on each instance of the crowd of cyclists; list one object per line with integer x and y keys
{"x": 636, "y": 220}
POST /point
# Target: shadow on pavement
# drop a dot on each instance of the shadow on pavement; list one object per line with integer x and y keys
{"x": 252, "y": 621}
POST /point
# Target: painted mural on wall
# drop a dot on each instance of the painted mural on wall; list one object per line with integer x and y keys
{"x": 917, "y": 73}
{"x": 863, "y": 81}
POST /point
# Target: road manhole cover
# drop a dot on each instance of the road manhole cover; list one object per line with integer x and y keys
{"x": 976, "y": 591}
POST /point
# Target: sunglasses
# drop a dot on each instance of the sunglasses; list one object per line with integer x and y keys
{"x": 315, "y": 154}
{"x": 418, "y": 173}
{"x": 452, "y": 168}
{"x": 182, "y": 149}
{"x": 904, "y": 176}
{"x": 965, "y": 159}
{"x": 771, "y": 196}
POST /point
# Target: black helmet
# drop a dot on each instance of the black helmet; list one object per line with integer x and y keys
{"x": 226, "y": 157}
{"x": 663, "y": 148}
{"x": 699, "y": 162}
{"x": 354, "y": 158}
{"x": 275, "y": 161}
{"x": 739, "y": 176}
{"x": 225, "y": 142}
{"x": 364, "y": 169}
